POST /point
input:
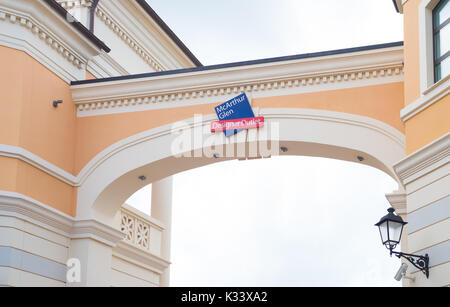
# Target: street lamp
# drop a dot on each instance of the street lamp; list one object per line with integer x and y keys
{"x": 391, "y": 228}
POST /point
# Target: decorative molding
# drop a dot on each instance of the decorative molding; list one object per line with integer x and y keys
{"x": 44, "y": 35}
{"x": 36, "y": 29}
{"x": 122, "y": 33}
{"x": 139, "y": 229}
{"x": 32, "y": 159}
{"x": 262, "y": 80}
{"x": 104, "y": 66}
{"x": 96, "y": 230}
{"x": 425, "y": 160}
{"x": 434, "y": 94}
{"x": 26, "y": 208}
{"x": 69, "y": 4}
{"x": 398, "y": 202}
{"x": 140, "y": 257}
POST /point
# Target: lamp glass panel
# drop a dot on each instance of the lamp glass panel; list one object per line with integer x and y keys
{"x": 384, "y": 231}
{"x": 395, "y": 231}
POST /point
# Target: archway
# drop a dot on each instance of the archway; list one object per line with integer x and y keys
{"x": 112, "y": 176}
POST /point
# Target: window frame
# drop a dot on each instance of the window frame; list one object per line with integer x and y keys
{"x": 436, "y": 34}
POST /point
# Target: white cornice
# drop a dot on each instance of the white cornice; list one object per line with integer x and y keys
{"x": 35, "y": 28}
{"x": 68, "y": 4}
{"x": 96, "y": 230}
{"x": 398, "y": 201}
{"x": 122, "y": 33}
{"x": 425, "y": 160}
{"x": 433, "y": 94}
{"x": 26, "y": 208}
{"x": 104, "y": 66}
{"x": 314, "y": 74}
{"x": 139, "y": 257}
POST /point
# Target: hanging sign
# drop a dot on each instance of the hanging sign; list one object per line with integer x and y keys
{"x": 234, "y": 115}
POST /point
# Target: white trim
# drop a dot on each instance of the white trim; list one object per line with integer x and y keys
{"x": 364, "y": 68}
{"x": 434, "y": 94}
{"x": 104, "y": 66}
{"x": 425, "y": 11}
{"x": 397, "y": 200}
{"x": 140, "y": 258}
{"x": 96, "y": 230}
{"x": 32, "y": 159}
{"x": 128, "y": 20}
{"x": 425, "y": 160}
{"x": 35, "y": 28}
{"x": 121, "y": 32}
{"x": 26, "y": 208}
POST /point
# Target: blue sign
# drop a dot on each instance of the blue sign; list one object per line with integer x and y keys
{"x": 238, "y": 107}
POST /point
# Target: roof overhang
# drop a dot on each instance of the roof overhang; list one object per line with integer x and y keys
{"x": 146, "y": 7}
{"x": 77, "y": 25}
{"x": 398, "y": 4}
{"x": 335, "y": 69}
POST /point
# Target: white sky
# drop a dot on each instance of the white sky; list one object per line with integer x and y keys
{"x": 284, "y": 221}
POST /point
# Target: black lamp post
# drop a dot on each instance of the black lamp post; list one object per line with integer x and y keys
{"x": 391, "y": 228}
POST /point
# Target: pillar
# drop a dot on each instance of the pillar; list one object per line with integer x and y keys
{"x": 90, "y": 253}
{"x": 162, "y": 211}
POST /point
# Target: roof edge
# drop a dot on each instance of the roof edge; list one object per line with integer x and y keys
{"x": 243, "y": 63}
{"x": 78, "y": 25}
{"x": 147, "y": 8}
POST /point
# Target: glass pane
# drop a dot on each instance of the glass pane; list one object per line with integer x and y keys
{"x": 442, "y": 42}
{"x": 395, "y": 230}
{"x": 442, "y": 70}
{"x": 442, "y": 12}
{"x": 383, "y": 232}
{"x": 445, "y": 67}
{"x": 444, "y": 36}
{"x": 437, "y": 73}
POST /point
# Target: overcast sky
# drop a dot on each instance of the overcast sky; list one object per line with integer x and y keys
{"x": 284, "y": 221}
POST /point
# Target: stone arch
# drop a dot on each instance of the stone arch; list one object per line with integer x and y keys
{"x": 112, "y": 176}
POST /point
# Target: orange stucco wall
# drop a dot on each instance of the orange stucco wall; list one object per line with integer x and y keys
{"x": 21, "y": 177}
{"x": 432, "y": 122}
{"x": 411, "y": 51}
{"x": 428, "y": 125}
{"x": 28, "y": 120}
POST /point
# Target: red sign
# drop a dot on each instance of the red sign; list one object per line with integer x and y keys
{"x": 240, "y": 123}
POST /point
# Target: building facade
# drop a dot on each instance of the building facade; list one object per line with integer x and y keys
{"x": 99, "y": 98}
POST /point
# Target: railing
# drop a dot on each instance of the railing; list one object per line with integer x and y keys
{"x": 141, "y": 230}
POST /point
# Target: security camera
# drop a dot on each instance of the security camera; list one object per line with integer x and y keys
{"x": 401, "y": 273}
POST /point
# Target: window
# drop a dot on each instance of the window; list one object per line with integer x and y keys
{"x": 441, "y": 39}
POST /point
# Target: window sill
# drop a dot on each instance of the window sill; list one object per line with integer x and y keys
{"x": 432, "y": 94}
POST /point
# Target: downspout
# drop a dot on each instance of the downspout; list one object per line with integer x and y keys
{"x": 92, "y": 15}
